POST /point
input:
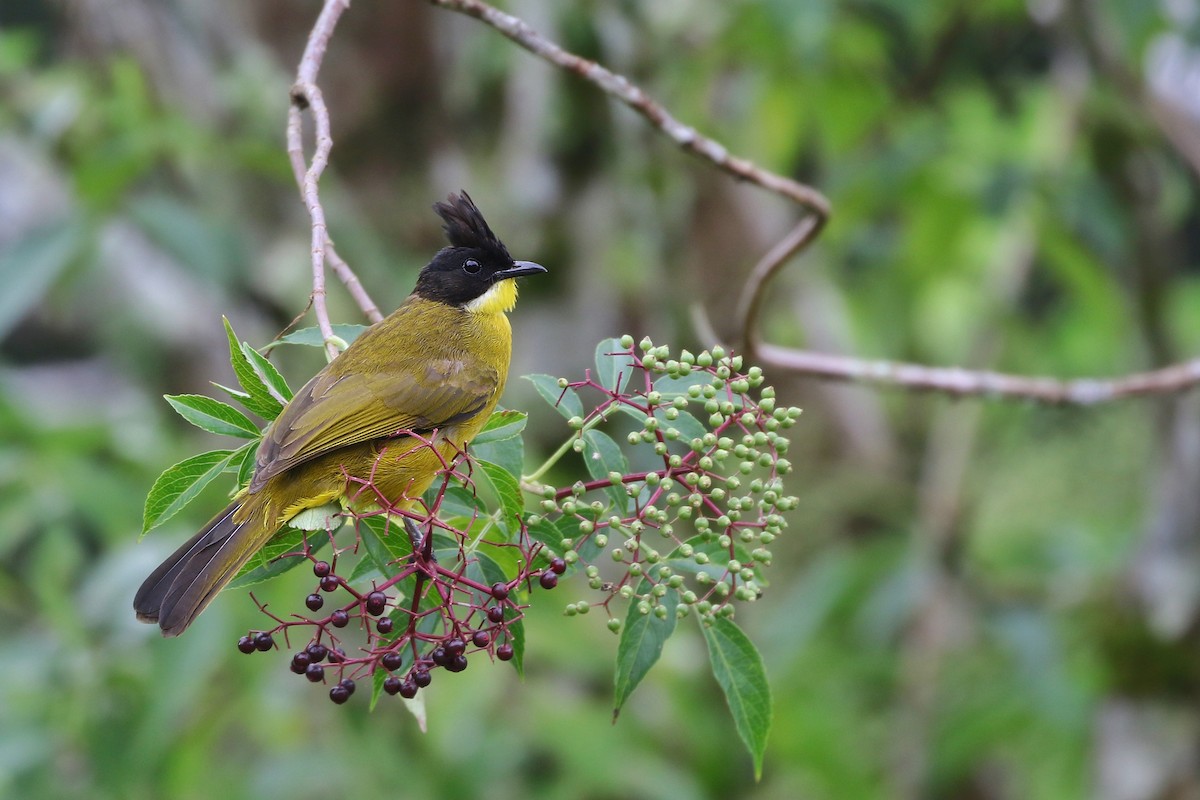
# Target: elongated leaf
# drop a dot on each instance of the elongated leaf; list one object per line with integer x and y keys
{"x": 213, "y": 415}
{"x": 641, "y": 644}
{"x": 500, "y": 441}
{"x": 601, "y": 456}
{"x": 259, "y": 399}
{"x": 267, "y": 562}
{"x": 501, "y": 425}
{"x": 267, "y": 373}
{"x": 385, "y": 539}
{"x": 614, "y": 365}
{"x": 506, "y": 488}
{"x": 312, "y": 336}
{"x": 738, "y": 668}
{"x": 180, "y": 484}
{"x": 565, "y": 401}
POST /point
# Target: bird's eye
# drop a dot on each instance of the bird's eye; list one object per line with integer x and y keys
{"x": 471, "y": 266}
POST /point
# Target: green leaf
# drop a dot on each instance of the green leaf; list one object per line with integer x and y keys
{"x": 246, "y": 468}
{"x": 566, "y": 401}
{"x": 641, "y": 644}
{"x": 213, "y": 415}
{"x": 500, "y": 441}
{"x": 312, "y": 336}
{"x": 671, "y": 387}
{"x": 516, "y": 637}
{"x": 547, "y": 532}
{"x": 614, "y": 365}
{"x": 504, "y": 486}
{"x": 258, "y": 396}
{"x": 267, "y": 373}
{"x": 602, "y": 455}
{"x": 739, "y": 670}
{"x": 267, "y": 562}
{"x": 180, "y": 484}
{"x": 501, "y": 425}
{"x": 457, "y": 501}
{"x": 385, "y": 540}
{"x": 31, "y": 265}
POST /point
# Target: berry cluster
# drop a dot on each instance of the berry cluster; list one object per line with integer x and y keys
{"x": 692, "y": 532}
{"x": 688, "y": 531}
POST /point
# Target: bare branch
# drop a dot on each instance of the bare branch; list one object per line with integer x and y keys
{"x": 961, "y": 382}
{"x": 307, "y": 95}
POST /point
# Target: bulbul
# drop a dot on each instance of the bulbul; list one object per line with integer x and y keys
{"x": 431, "y": 372}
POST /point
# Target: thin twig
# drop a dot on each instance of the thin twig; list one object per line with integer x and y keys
{"x": 751, "y": 300}
{"x": 306, "y": 95}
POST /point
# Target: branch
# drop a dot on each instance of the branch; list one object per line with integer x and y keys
{"x": 953, "y": 381}
{"x": 962, "y": 382}
{"x": 307, "y": 95}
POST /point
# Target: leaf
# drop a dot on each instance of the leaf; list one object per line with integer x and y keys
{"x": 267, "y": 562}
{"x": 385, "y": 540}
{"x": 31, "y": 265}
{"x": 213, "y": 415}
{"x": 641, "y": 644}
{"x": 457, "y": 501}
{"x": 601, "y": 456}
{"x": 312, "y": 336}
{"x": 180, "y": 484}
{"x": 258, "y": 397}
{"x": 516, "y": 637}
{"x": 738, "y": 668}
{"x": 267, "y": 373}
{"x": 500, "y": 441}
{"x": 614, "y": 365}
{"x": 501, "y": 425}
{"x": 548, "y": 533}
{"x": 505, "y": 487}
{"x": 566, "y": 401}
{"x": 671, "y": 387}
{"x": 246, "y": 468}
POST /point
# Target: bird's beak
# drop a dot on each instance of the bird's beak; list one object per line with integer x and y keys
{"x": 518, "y": 269}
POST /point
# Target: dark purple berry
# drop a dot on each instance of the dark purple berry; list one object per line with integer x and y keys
{"x": 481, "y": 638}
{"x": 315, "y": 673}
{"x": 376, "y": 603}
{"x": 316, "y": 652}
{"x": 457, "y": 664}
{"x": 339, "y": 618}
{"x": 495, "y": 614}
{"x": 337, "y": 655}
{"x": 263, "y": 642}
{"x": 330, "y": 583}
{"x": 439, "y": 656}
{"x": 408, "y": 689}
{"x": 504, "y": 652}
{"x": 314, "y": 602}
{"x": 558, "y": 565}
{"x": 392, "y": 660}
{"x": 384, "y": 625}
{"x": 548, "y": 580}
{"x": 347, "y": 684}
{"x": 455, "y": 647}
{"x": 391, "y": 684}
{"x": 300, "y": 662}
{"x": 339, "y": 694}
{"x": 500, "y": 591}
{"x": 422, "y": 678}
{"x": 246, "y": 645}
{"x": 321, "y": 569}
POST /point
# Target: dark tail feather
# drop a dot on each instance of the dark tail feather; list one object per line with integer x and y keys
{"x": 181, "y": 587}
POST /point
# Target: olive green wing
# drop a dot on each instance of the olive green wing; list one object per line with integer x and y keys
{"x": 335, "y": 410}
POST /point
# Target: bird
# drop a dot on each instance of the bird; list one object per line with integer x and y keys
{"x": 401, "y": 401}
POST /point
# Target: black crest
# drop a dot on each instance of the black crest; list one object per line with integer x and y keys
{"x": 466, "y": 227}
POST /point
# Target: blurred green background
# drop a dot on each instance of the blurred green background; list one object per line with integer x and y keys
{"x": 975, "y": 599}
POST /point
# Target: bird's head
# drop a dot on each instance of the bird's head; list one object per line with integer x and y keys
{"x": 475, "y": 272}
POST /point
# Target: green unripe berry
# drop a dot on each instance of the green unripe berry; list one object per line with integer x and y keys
{"x": 625, "y": 591}
{"x": 617, "y": 554}
{"x": 601, "y": 540}
{"x": 661, "y": 612}
{"x": 614, "y": 625}
{"x": 626, "y": 341}
{"x": 643, "y": 607}
{"x": 646, "y": 345}
{"x": 575, "y": 422}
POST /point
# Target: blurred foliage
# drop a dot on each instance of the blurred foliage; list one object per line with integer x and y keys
{"x": 951, "y": 612}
